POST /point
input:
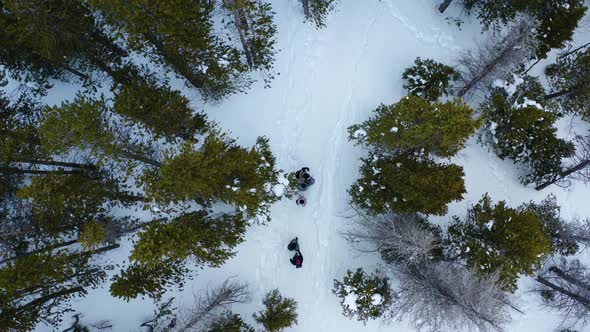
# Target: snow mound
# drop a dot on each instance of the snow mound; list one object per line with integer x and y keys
{"x": 350, "y": 299}
{"x": 359, "y": 133}
{"x": 376, "y": 299}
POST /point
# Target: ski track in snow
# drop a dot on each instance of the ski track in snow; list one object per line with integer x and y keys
{"x": 330, "y": 79}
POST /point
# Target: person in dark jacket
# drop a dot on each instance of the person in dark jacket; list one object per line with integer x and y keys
{"x": 297, "y": 260}
{"x": 304, "y": 179}
{"x": 293, "y": 245}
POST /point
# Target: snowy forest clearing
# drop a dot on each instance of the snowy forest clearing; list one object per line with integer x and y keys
{"x": 328, "y": 80}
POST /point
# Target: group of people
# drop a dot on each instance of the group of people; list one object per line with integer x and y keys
{"x": 304, "y": 181}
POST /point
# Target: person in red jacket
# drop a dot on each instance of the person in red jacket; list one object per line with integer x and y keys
{"x": 297, "y": 260}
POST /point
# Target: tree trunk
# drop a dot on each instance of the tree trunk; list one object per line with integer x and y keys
{"x": 487, "y": 69}
{"x": 12, "y": 170}
{"x": 306, "y": 11}
{"x": 565, "y": 174}
{"x": 572, "y": 51}
{"x": 124, "y": 197}
{"x": 531, "y": 66}
{"x": 176, "y": 64}
{"x": 239, "y": 17}
{"x": 99, "y": 250}
{"x": 584, "y": 301}
{"x": 575, "y": 88}
{"x": 443, "y": 6}
{"x": 75, "y": 325}
{"x": 569, "y": 278}
{"x": 33, "y": 289}
{"x": 54, "y": 163}
{"x": 36, "y": 251}
{"x": 141, "y": 158}
{"x": 78, "y": 73}
{"x": 40, "y": 301}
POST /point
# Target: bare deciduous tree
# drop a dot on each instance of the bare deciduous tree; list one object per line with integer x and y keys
{"x": 442, "y": 296}
{"x": 565, "y": 287}
{"x": 162, "y": 319}
{"x": 400, "y": 238}
{"x": 211, "y": 302}
{"x": 496, "y": 57}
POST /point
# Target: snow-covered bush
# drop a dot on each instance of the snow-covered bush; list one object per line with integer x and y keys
{"x": 429, "y": 79}
{"x": 364, "y": 296}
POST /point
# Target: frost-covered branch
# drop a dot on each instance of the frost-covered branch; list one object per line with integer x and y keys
{"x": 495, "y": 58}
{"x": 446, "y": 297}
{"x": 211, "y": 302}
{"x": 400, "y": 238}
{"x": 565, "y": 287}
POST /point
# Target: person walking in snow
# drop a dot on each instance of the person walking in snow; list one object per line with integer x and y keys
{"x": 297, "y": 260}
{"x": 293, "y": 245}
{"x": 300, "y": 201}
{"x": 304, "y": 179}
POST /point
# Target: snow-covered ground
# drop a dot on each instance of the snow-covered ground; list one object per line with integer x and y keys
{"x": 330, "y": 79}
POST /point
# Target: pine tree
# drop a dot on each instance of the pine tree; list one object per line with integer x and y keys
{"x": 182, "y": 36}
{"x": 499, "y": 238}
{"x": 406, "y": 184}
{"x": 135, "y": 280}
{"x": 209, "y": 240}
{"x": 556, "y": 20}
{"x": 364, "y": 296}
{"x": 521, "y": 129}
{"x": 318, "y": 10}
{"x": 279, "y": 312}
{"x": 164, "y": 111}
{"x": 54, "y": 39}
{"x": 569, "y": 79}
{"x": 159, "y": 255}
{"x": 219, "y": 170}
{"x": 229, "y": 322}
{"x": 415, "y": 125}
{"x": 429, "y": 79}
{"x": 253, "y": 21}
{"x": 578, "y": 167}
{"x": 37, "y": 287}
{"x": 563, "y": 233}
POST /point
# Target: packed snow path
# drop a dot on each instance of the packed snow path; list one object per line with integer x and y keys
{"x": 330, "y": 79}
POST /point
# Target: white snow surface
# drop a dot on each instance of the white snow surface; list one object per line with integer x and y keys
{"x": 330, "y": 79}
